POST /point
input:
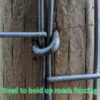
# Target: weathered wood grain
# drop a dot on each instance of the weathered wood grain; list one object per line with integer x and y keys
{"x": 19, "y": 67}
{"x": 90, "y": 43}
{"x": 75, "y": 55}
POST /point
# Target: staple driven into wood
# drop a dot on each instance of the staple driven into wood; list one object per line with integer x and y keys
{"x": 54, "y": 45}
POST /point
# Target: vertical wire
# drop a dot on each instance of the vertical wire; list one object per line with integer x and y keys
{"x": 39, "y": 16}
{"x": 39, "y": 28}
{"x": 50, "y": 30}
{"x": 41, "y": 42}
{"x": 95, "y": 47}
{"x": 43, "y": 45}
{"x": 50, "y": 17}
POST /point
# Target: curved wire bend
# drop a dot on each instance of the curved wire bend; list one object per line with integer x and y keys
{"x": 54, "y": 45}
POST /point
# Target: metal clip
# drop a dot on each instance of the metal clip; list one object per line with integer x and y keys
{"x": 54, "y": 45}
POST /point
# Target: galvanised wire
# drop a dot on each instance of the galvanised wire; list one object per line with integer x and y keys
{"x": 41, "y": 42}
{"x": 53, "y": 46}
{"x": 23, "y": 34}
{"x": 73, "y": 77}
{"x": 50, "y": 31}
{"x": 96, "y": 18}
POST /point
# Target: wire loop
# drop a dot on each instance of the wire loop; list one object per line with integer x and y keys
{"x": 54, "y": 45}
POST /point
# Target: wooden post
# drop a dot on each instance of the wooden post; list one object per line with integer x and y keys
{"x": 75, "y": 55}
{"x": 19, "y": 67}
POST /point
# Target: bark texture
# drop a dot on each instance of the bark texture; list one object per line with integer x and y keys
{"x": 19, "y": 67}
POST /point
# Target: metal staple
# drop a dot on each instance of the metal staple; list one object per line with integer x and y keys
{"x": 53, "y": 47}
